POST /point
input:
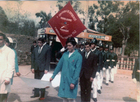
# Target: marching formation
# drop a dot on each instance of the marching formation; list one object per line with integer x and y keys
{"x": 85, "y": 65}
{"x": 96, "y": 63}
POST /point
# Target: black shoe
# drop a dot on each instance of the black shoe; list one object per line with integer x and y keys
{"x": 111, "y": 81}
{"x": 34, "y": 96}
{"x": 95, "y": 99}
{"x": 91, "y": 88}
{"x": 107, "y": 84}
{"x": 99, "y": 91}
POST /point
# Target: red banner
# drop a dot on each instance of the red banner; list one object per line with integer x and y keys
{"x": 66, "y": 23}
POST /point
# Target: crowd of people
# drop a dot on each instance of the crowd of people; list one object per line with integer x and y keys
{"x": 99, "y": 61}
{"x": 84, "y": 66}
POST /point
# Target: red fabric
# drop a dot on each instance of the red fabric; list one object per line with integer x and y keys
{"x": 66, "y": 23}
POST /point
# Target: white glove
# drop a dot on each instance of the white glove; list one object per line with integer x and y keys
{"x": 134, "y": 80}
{"x": 109, "y": 67}
{"x": 103, "y": 68}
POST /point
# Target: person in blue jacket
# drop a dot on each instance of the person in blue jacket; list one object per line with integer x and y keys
{"x": 70, "y": 67}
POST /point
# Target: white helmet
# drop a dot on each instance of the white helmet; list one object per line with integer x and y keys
{"x": 10, "y": 39}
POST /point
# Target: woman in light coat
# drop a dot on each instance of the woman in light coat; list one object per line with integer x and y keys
{"x": 70, "y": 67}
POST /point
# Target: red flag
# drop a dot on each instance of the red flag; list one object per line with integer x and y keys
{"x": 66, "y": 23}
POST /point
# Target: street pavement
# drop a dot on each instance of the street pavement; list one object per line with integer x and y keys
{"x": 122, "y": 90}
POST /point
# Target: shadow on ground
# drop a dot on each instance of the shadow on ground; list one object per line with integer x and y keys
{"x": 14, "y": 97}
{"x": 128, "y": 99}
{"x": 49, "y": 99}
{"x": 53, "y": 99}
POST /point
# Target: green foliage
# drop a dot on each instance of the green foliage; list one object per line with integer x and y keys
{"x": 75, "y": 4}
{"x": 129, "y": 17}
{"x": 44, "y": 18}
{"x": 24, "y": 27}
{"x": 28, "y": 28}
{"x": 3, "y": 20}
{"x": 114, "y": 16}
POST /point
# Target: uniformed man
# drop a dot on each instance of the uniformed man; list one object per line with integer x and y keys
{"x": 106, "y": 63}
{"x": 113, "y": 62}
{"x": 96, "y": 82}
{"x": 82, "y": 48}
{"x": 102, "y": 63}
{"x": 136, "y": 77}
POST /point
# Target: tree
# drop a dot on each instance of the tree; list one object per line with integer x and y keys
{"x": 92, "y": 19}
{"x": 3, "y": 20}
{"x": 75, "y": 4}
{"x": 18, "y": 22}
{"x": 120, "y": 21}
{"x": 28, "y": 28}
{"x": 101, "y": 12}
{"x": 44, "y": 18}
{"x": 129, "y": 27}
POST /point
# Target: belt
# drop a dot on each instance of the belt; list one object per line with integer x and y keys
{"x": 107, "y": 60}
{"x": 113, "y": 60}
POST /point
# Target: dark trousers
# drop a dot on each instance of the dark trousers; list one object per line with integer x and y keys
{"x": 3, "y": 97}
{"x": 38, "y": 75}
{"x": 85, "y": 86}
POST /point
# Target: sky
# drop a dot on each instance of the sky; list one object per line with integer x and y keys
{"x": 32, "y": 7}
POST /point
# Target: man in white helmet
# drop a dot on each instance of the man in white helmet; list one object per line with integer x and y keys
{"x": 9, "y": 43}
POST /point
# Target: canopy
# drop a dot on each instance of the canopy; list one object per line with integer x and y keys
{"x": 90, "y": 34}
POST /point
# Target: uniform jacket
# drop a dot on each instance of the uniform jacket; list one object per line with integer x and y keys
{"x": 7, "y": 66}
{"x": 100, "y": 59}
{"x": 70, "y": 68}
{"x": 81, "y": 52}
{"x": 135, "y": 73}
{"x": 41, "y": 61}
{"x": 107, "y": 60}
{"x": 89, "y": 65}
{"x": 103, "y": 59}
{"x": 113, "y": 59}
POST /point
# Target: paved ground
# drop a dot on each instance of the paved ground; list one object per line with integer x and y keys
{"x": 122, "y": 90}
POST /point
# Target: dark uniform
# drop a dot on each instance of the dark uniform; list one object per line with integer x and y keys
{"x": 81, "y": 50}
{"x": 136, "y": 77}
{"x": 113, "y": 62}
{"x": 102, "y": 64}
{"x": 106, "y": 63}
{"x": 96, "y": 83}
{"x": 136, "y": 73}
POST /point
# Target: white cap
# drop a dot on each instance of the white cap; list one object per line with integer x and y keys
{"x": 76, "y": 39}
{"x": 10, "y": 39}
{"x": 63, "y": 49}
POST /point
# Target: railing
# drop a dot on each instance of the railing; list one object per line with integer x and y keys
{"x": 126, "y": 63}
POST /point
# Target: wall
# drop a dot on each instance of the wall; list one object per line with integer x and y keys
{"x": 23, "y": 47}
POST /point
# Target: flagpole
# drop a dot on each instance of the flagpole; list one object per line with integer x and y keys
{"x": 86, "y": 18}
